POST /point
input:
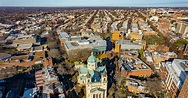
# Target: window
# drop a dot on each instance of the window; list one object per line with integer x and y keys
{"x": 93, "y": 95}
{"x": 100, "y": 95}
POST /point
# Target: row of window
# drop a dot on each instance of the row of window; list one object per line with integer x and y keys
{"x": 98, "y": 95}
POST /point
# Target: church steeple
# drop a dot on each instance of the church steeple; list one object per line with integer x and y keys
{"x": 92, "y": 58}
{"x": 92, "y": 62}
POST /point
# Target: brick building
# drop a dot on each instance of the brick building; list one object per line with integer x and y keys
{"x": 174, "y": 75}
{"x": 133, "y": 67}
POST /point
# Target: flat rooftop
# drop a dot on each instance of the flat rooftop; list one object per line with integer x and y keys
{"x": 123, "y": 42}
{"x": 2, "y": 55}
{"x": 23, "y": 46}
{"x": 131, "y": 64}
{"x": 63, "y": 35}
{"x": 89, "y": 43}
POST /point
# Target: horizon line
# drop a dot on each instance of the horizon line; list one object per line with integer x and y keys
{"x": 104, "y": 6}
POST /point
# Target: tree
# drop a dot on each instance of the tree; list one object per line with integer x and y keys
{"x": 119, "y": 94}
{"x": 61, "y": 70}
{"x": 118, "y": 77}
{"x": 154, "y": 87}
{"x": 74, "y": 78}
{"x": 71, "y": 71}
{"x": 141, "y": 53}
{"x": 52, "y": 45}
{"x": 111, "y": 91}
{"x": 54, "y": 53}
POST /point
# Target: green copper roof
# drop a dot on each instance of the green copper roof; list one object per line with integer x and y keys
{"x": 83, "y": 70}
{"x": 91, "y": 73}
{"x": 92, "y": 58}
{"x": 83, "y": 77}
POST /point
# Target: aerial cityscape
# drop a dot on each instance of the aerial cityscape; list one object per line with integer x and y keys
{"x": 94, "y": 49}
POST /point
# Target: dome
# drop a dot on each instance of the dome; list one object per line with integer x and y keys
{"x": 92, "y": 58}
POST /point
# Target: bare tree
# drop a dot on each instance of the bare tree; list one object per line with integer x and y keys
{"x": 52, "y": 45}
{"x": 61, "y": 70}
{"x": 118, "y": 77}
{"x": 54, "y": 53}
{"x": 111, "y": 91}
{"x": 119, "y": 94}
{"x": 74, "y": 78}
{"x": 154, "y": 86}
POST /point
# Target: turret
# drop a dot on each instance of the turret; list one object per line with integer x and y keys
{"x": 92, "y": 62}
{"x": 103, "y": 77}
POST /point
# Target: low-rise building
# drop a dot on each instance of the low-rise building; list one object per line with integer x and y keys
{"x": 47, "y": 81}
{"x": 135, "y": 86}
{"x": 63, "y": 37}
{"x": 26, "y": 39}
{"x": 116, "y": 35}
{"x": 135, "y": 35}
{"x": 98, "y": 46}
{"x": 24, "y": 47}
{"x": 128, "y": 45}
{"x": 159, "y": 57}
{"x": 4, "y": 56}
{"x": 134, "y": 67}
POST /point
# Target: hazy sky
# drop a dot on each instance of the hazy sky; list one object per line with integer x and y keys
{"x": 122, "y": 3}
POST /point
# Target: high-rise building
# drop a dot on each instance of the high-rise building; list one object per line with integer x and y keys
{"x": 182, "y": 29}
{"x": 174, "y": 76}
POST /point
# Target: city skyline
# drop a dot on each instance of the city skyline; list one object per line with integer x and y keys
{"x": 95, "y": 3}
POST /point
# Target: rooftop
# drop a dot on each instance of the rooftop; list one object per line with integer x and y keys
{"x": 130, "y": 64}
{"x": 63, "y": 35}
{"x": 183, "y": 64}
{"x": 90, "y": 43}
{"x": 23, "y": 46}
{"x": 2, "y": 55}
{"x": 129, "y": 42}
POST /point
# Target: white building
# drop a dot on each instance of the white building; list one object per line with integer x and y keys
{"x": 182, "y": 29}
{"x": 94, "y": 77}
{"x": 177, "y": 72}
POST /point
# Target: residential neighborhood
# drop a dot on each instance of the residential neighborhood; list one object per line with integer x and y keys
{"x": 104, "y": 52}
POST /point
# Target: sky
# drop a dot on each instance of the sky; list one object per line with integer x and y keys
{"x": 88, "y": 3}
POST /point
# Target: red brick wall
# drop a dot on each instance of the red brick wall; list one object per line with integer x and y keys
{"x": 184, "y": 91}
{"x": 144, "y": 73}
